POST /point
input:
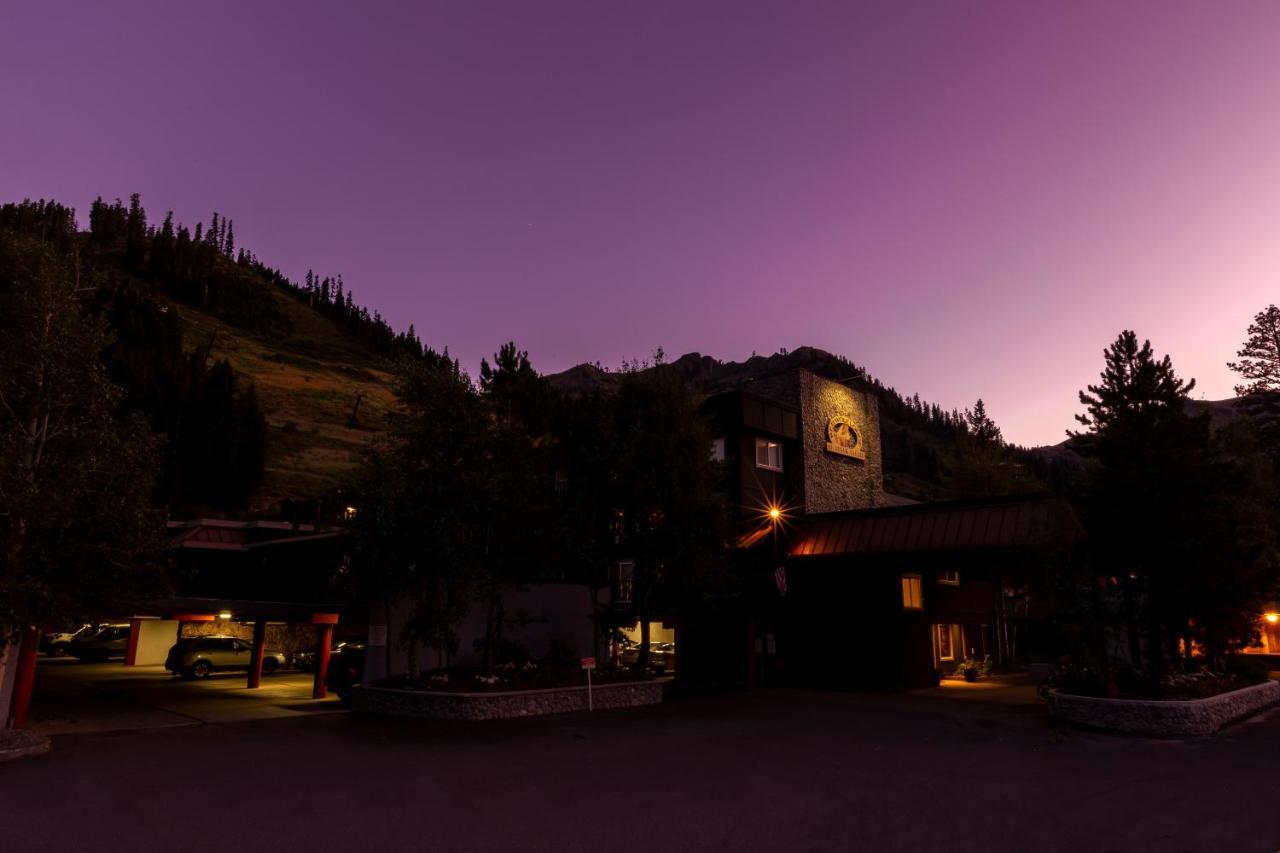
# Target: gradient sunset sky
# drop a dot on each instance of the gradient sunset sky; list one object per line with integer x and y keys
{"x": 970, "y": 199}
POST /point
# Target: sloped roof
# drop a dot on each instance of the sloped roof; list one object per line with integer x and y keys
{"x": 960, "y": 525}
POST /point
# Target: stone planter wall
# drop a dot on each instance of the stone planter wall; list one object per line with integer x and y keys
{"x": 21, "y": 744}
{"x": 1164, "y": 718}
{"x": 434, "y": 705}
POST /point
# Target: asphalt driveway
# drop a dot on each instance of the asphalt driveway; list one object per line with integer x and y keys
{"x": 772, "y": 770}
{"x": 75, "y": 698}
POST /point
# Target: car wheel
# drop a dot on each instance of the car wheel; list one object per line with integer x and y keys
{"x": 201, "y": 669}
{"x": 269, "y": 666}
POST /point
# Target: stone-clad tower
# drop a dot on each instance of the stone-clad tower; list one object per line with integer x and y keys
{"x": 839, "y": 438}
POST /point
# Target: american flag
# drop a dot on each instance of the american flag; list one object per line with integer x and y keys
{"x": 780, "y": 578}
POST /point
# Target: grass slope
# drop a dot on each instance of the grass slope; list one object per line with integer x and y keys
{"x": 307, "y": 385}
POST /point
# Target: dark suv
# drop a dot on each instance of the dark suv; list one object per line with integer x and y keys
{"x": 346, "y": 669}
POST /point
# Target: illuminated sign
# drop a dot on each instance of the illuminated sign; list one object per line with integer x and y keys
{"x": 843, "y": 439}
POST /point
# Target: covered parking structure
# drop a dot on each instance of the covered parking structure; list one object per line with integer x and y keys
{"x": 176, "y": 612}
{"x": 156, "y": 626}
{"x": 230, "y": 573}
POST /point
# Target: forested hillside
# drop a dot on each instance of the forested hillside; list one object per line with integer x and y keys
{"x": 260, "y": 388}
{"x": 263, "y": 388}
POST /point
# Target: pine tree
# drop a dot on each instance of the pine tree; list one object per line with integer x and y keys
{"x": 1259, "y": 367}
{"x": 1135, "y": 388}
{"x": 1162, "y": 505}
{"x": 980, "y": 425}
{"x": 229, "y": 243}
{"x": 981, "y": 464}
{"x": 1259, "y": 363}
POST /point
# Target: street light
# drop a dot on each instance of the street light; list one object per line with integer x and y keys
{"x": 1272, "y": 618}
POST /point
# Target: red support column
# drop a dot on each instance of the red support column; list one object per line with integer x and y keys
{"x": 318, "y": 689}
{"x": 255, "y": 659}
{"x": 25, "y": 679}
{"x": 131, "y": 654}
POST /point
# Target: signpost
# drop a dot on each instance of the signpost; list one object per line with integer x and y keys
{"x": 589, "y": 664}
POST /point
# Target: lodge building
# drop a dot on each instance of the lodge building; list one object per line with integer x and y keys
{"x": 849, "y": 585}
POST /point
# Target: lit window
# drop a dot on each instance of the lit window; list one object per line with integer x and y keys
{"x": 912, "y": 593}
{"x": 768, "y": 454}
{"x": 946, "y": 648}
{"x": 717, "y": 450}
{"x": 950, "y": 578}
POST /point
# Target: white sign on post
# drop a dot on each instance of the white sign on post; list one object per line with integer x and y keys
{"x": 589, "y": 664}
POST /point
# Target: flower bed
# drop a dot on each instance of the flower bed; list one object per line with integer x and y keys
{"x": 440, "y": 704}
{"x": 1163, "y": 717}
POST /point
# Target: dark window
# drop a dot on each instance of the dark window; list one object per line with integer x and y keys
{"x": 624, "y": 573}
{"x": 768, "y": 454}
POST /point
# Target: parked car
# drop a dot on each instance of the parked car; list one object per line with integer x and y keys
{"x": 57, "y": 643}
{"x": 662, "y": 656}
{"x": 107, "y": 641}
{"x": 346, "y": 669}
{"x": 196, "y": 657}
{"x": 306, "y": 660}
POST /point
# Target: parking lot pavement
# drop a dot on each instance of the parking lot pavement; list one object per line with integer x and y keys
{"x": 769, "y": 771}
{"x": 74, "y": 697}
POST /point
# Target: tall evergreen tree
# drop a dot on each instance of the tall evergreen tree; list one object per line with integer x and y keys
{"x": 77, "y": 529}
{"x": 1259, "y": 368}
{"x": 1163, "y": 506}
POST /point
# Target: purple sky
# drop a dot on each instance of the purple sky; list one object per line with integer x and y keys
{"x": 969, "y": 199}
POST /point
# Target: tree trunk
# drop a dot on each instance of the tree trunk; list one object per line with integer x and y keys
{"x": 642, "y": 659}
{"x": 411, "y": 657}
{"x": 386, "y": 612}
{"x": 1131, "y": 626}
{"x": 1099, "y": 632}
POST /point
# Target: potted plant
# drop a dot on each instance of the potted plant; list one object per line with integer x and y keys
{"x": 969, "y": 668}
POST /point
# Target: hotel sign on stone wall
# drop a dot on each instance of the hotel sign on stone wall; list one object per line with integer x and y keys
{"x": 843, "y": 438}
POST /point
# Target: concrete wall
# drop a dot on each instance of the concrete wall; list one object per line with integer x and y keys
{"x": 8, "y": 671}
{"x": 155, "y": 638}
